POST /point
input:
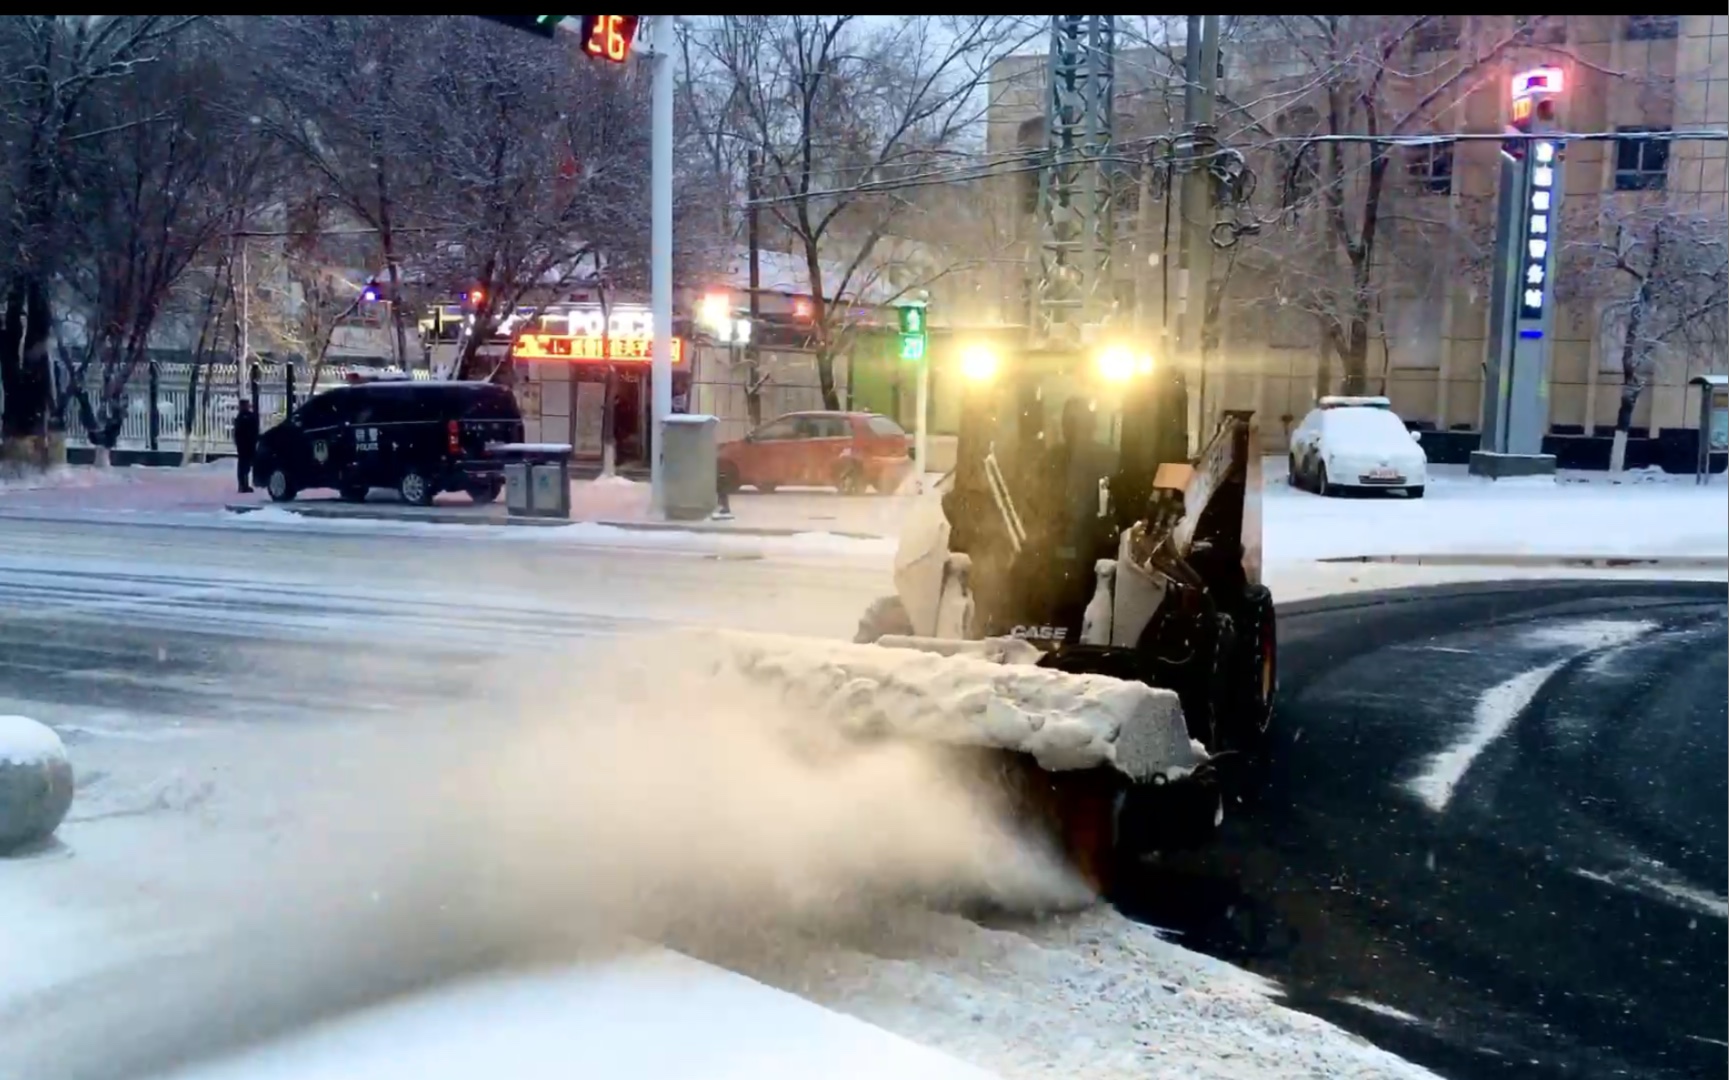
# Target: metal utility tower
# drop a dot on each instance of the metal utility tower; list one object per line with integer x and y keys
{"x": 1075, "y": 231}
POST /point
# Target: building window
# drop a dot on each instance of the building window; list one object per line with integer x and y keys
{"x": 1652, "y": 27}
{"x": 1431, "y": 167}
{"x": 1437, "y": 35}
{"x": 1540, "y": 29}
{"x": 1641, "y": 159}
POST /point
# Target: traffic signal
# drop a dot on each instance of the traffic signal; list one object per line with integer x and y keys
{"x": 604, "y": 37}
{"x": 539, "y": 25}
{"x": 913, "y": 333}
{"x": 609, "y": 37}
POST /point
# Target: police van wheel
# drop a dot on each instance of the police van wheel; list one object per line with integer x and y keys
{"x": 416, "y": 489}
{"x": 281, "y": 488}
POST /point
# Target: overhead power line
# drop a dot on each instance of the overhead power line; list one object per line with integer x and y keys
{"x": 1033, "y": 159}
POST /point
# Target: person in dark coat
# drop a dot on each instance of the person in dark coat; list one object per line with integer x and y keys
{"x": 245, "y": 443}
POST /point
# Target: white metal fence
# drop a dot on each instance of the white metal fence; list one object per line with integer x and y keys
{"x": 204, "y": 425}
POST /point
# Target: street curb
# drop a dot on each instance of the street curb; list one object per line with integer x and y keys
{"x": 423, "y": 516}
{"x": 732, "y": 530}
{"x": 1578, "y": 562}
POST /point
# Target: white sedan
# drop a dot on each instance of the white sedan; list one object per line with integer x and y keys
{"x": 1357, "y": 444}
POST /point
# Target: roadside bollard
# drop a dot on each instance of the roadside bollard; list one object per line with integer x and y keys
{"x": 723, "y": 511}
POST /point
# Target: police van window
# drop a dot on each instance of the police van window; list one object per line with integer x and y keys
{"x": 418, "y": 405}
{"x": 492, "y": 403}
{"x": 317, "y": 412}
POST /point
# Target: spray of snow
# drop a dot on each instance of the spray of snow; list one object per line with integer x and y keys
{"x": 1501, "y": 705}
{"x": 591, "y": 802}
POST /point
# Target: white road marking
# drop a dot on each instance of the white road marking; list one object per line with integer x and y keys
{"x": 1382, "y": 1010}
{"x": 1500, "y": 706}
{"x": 1649, "y": 877}
{"x": 1495, "y": 713}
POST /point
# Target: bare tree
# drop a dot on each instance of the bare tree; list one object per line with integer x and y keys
{"x": 1365, "y": 80}
{"x": 1326, "y": 107}
{"x": 50, "y": 64}
{"x": 845, "y": 115}
{"x": 301, "y": 293}
{"x": 154, "y": 187}
{"x": 342, "y": 92}
{"x": 1662, "y": 274}
{"x": 540, "y": 177}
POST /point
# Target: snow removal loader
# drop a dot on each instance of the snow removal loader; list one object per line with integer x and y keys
{"x": 1080, "y": 614}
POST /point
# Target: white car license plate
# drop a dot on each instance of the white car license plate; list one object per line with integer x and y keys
{"x": 1383, "y": 474}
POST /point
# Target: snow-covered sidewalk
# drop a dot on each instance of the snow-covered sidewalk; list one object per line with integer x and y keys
{"x": 1649, "y": 515}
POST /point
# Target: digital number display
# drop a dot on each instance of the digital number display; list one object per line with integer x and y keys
{"x": 609, "y": 37}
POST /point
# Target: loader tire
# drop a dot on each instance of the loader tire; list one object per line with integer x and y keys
{"x": 886, "y": 615}
{"x": 1257, "y": 669}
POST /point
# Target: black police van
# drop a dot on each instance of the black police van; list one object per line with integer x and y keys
{"x": 419, "y": 438}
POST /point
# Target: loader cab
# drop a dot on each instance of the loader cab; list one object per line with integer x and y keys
{"x": 1058, "y": 452}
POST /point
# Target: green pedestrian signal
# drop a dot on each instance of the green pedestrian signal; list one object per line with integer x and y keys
{"x": 913, "y": 336}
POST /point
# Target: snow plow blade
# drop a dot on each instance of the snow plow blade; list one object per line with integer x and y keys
{"x": 1063, "y": 747}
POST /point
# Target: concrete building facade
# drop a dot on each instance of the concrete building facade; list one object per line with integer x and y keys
{"x": 1628, "y": 77}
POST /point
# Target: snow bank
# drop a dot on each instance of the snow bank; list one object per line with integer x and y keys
{"x": 1088, "y": 995}
{"x": 1063, "y": 721}
{"x": 35, "y": 782}
{"x": 62, "y": 476}
{"x": 657, "y": 1015}
{"x": 577, "y": 534}
{"x": 615, "y": 481}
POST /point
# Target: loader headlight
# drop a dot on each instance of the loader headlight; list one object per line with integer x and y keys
{"x": 1119, "y": 364}
{"x": 979, "y": 363}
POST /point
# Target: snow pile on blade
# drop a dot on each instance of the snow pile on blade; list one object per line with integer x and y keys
{"x": 1064, "y": 722}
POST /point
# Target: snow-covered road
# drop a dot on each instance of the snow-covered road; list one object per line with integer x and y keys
{"x": 272, "y": 725}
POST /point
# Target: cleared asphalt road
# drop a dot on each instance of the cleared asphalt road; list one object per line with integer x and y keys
{"x": 1491, "y": 836}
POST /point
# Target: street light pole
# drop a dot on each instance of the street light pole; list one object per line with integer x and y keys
{"x": 660, "y": 254}
{"x": 921, "y": 437}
